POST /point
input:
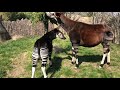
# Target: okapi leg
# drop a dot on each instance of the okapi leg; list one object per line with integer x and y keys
{"x": 33, "y": 71}
{"x": 103, "y": 60}
{"x": 50, "y": 61}
{"x": 35, "y": 57}
{"x": 77, "y": 63}
{"x": 108, "y": 58}
{"x": 108, "y": 54}
{"x": 74, "y": 55}
{"x": 106, "y": 51}
{"x": 43, "y": 67}
{"x": 44, "y": 56}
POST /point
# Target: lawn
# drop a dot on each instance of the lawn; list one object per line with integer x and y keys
{"x": 15, "y": 60}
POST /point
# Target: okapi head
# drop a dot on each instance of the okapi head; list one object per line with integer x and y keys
{"x": 50, "y": 14}
{"x": 54, "y": 15}
{"x": 56, "y": 34}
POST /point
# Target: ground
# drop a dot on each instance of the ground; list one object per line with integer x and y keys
{"x": 15, "y": 61}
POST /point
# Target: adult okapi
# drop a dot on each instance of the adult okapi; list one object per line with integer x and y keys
{"x": 87, "y": 35}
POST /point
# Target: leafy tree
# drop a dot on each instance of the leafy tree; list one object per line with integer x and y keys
{"x": 33, "y": 16}
{"x": 5, "y": 15}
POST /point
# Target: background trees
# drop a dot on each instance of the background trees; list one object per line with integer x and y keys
{"x": 110, "y": 18}
{"x": 33, "y": 16}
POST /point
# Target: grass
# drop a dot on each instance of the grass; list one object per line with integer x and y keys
{"x": 10, "y": 50}
{"x": 15, "y": 60}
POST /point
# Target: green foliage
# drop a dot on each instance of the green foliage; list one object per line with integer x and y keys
{"x": 13, "y": 16}
{"x": 17, "y": 15}
{"x": 34, "y": 16}
{"x": 5, "y": 15}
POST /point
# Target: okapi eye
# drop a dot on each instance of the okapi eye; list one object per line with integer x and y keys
{"x": 53, "y": 14}
{"x": 59, "y": 34}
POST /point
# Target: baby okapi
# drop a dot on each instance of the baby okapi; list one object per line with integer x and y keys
{"x": 43, "y": 49}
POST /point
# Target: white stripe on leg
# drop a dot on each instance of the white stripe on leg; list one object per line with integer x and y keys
{"x": 33, "y": 72}
{"x": 76, "y": 60}
{"x": 76, "y": 63}
{"x": 73, "y": 59}
{"x": 103, "y": 59}
{"x": 108, "y": 57}
{"x": 44, "y": 72}
{"x": 73, "y": 53}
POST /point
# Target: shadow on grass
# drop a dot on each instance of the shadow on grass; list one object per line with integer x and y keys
{"x": 56, "y": 66}
{"x": 90, "y": 58}
{"x": 57, "y": 61}
{"x": 86, "y": 58}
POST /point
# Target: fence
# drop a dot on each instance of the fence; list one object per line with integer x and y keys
{"x": 24, "y": 27}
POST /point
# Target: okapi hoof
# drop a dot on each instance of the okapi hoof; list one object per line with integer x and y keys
{"x": 101, "y": 66}
{"x": 76, "y": 66}
{"x": 45, "y": 77}
{"x": 73, "y": 62}
{"x": 51, "y": 66}
{"x": 108, "y": 63}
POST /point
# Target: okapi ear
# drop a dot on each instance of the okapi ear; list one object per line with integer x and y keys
{"x": 63, "y": 12}
{"x": 59, "y": 13}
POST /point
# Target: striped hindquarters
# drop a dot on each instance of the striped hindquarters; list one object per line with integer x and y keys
{"x": 35, "y": 56}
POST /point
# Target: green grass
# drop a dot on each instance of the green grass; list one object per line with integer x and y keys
{"x": 62, "y": 67}
{"x": 10, "y": 49}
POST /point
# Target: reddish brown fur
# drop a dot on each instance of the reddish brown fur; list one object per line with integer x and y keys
{"x": 83, "y": 34}
{"x": 87, "y": 35}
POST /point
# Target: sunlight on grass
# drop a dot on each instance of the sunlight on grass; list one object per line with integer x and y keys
{"x": 61, "y": 57}
{"x": 11, "y": 49}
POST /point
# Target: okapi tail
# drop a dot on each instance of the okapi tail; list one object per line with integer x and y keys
{"x": 109, "y": 35}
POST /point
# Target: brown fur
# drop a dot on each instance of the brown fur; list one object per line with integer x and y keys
{"x": 83, "y": 34}
{"x": 87, "y": 35}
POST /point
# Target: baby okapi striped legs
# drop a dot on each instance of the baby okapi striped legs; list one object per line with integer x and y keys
{"x": 44, "y": 62}
{"x": 44, "y": 55}
{"x": 35, "y": 57}
{"x": 106, "y": 53}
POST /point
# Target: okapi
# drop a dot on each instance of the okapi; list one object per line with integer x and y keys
{"x": 43, "y": 50}
{"x": 87, "y": 35}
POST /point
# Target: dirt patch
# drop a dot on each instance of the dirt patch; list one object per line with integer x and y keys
{"x": 66, "y": 63}
{"x": 19, "y": 64}
{"x": 94, "y": 65}
{"x": 15, "y": 37}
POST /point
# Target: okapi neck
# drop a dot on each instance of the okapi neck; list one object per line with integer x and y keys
{"x": 66, "y": 23}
